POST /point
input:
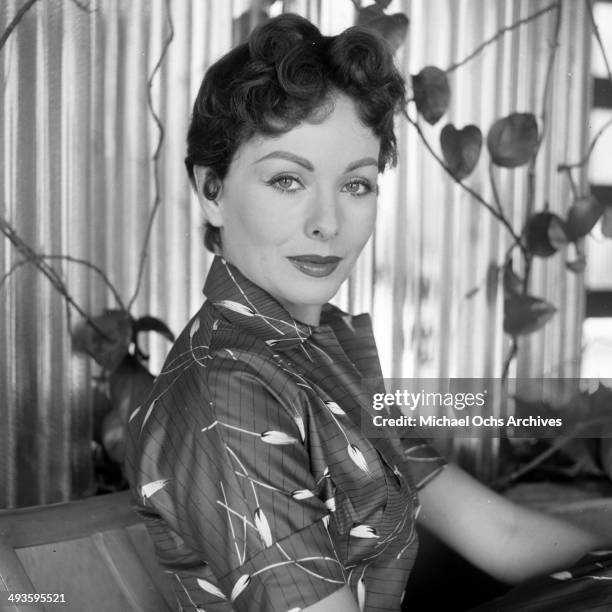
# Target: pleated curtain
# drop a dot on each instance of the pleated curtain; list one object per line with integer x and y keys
{"x": 78, "y": 178}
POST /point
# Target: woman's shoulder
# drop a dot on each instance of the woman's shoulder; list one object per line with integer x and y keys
{"x": 212, "y": 365}
{"x": 211, "y": 349}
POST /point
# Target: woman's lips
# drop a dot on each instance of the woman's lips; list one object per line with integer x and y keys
{"x": 315, "y": 265}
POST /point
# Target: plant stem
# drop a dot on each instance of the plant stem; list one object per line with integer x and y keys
{"x": 500, "y": 217}
{"x": 599, "y": 40}
{"x": 509, "y": 357}
{"x": 531, "y": 173}
{"x": 567, "y": 168}
{"x": 496, "y": 197}
{"x": 12, "y": 270}
{"x": 587, "y": 155}
{"x": 15, "y": 22}
{"x": 499, "y": 34}
{"x": 31, "y": 256}
{"x": 544, "y": 113}
{"x": 511, "y": 248}
{"x": 527, "y": 263}
{"x": 573, "y": 185}
{"x": 570, "y": 178}
{"x": 82, "y": 6}
{"x": 527, "y": 467}
{"x": 156, "y": 155}
{"x": 551, "y": 450}
{"x": 96, "y": 269}
{"x": 549, "y": 75}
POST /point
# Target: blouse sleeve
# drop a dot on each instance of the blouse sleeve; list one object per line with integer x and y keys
{"x": 421, "y": 460}
{"x": 238, "y": 489}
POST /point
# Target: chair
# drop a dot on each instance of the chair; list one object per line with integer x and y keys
{"x": 96, "y": 552}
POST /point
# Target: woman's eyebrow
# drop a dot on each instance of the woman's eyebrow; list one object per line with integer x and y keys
{"x": 364, "y": 161}
{"x": 302, "y": 161}
{"x": 296, "y": 159}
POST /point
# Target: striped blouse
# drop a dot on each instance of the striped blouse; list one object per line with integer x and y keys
{"x": 251, "y": 467}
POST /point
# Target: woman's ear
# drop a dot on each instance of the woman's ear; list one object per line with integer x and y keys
{"x": 208, "y": 188}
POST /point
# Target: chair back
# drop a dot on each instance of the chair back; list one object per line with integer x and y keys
{"x": 94, "y": 555}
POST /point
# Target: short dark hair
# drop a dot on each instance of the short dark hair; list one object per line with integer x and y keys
{"x": 279, "y": 78}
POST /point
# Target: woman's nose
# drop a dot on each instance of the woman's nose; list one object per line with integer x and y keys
{"x": 323, "y": 222}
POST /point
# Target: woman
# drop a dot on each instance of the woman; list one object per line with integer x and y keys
{"x": 248, "y": 459}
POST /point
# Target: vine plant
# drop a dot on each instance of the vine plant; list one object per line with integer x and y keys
{"x": 111, "y": 337}
{"x": 513, "y": 142}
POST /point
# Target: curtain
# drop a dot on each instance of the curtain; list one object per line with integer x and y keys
{"x": 80, "y": 177}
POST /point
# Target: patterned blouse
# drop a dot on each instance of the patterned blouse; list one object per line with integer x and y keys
{"x": 249, "y": 463}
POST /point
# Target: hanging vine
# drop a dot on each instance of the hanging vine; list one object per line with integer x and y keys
{"x": 513, "y": 142}
{"x": 111, "y": 337}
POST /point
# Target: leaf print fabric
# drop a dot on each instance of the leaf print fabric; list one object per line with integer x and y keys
{"x": 250, "y": 469}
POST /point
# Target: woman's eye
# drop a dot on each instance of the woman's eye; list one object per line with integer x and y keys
{"x": 286, "y": 183}
{"x": 358, "y": 188}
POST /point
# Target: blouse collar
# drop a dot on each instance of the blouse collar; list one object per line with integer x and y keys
{"x": 245, "y": 304}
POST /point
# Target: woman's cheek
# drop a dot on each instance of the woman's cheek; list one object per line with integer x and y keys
{"x": 364, "y": 225}
{"x": 254, "y": 224}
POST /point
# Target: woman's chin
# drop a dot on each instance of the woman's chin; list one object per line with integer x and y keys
{"x": 305, "y": 303}
{"x": 319, "y": 290}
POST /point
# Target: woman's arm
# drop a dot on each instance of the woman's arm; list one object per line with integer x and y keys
{"x": 509, "y": 542}
{"x": 340, "y": 601}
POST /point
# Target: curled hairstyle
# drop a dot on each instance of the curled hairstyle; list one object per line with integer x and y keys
{"x": 287, "y": 73}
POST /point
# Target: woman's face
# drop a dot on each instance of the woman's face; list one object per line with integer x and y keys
{"x": 296, "y": 210}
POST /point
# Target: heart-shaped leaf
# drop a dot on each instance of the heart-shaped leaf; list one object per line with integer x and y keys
{"x": 544, "y": 234}
{"x": 600, "y": 400}
{"x": 513, "y": 285}
{"x": 525, "y": 314}
{"x": 606, "y": 222}
{"x": 113, "y": 436}
{"x": 391, "y": 28}
{"x": 431, "y": 93}
{"x": 513, "y": 140}
{"x": 109, "y": 347}
{"x": 461, "y": 149}
{"x": 149, "y": 323}
{"x": 582, "y": 216}
{"x": 576, "y": 259}
{"x": 130, "y": 383}
{"x": 557, "y": 233}
{"x": 101, "y": 407}
{"x": 576, "y": 265}
{"x": 244, "y": 24}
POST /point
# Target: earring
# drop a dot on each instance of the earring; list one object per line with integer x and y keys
{"x": 211, "y": 188}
